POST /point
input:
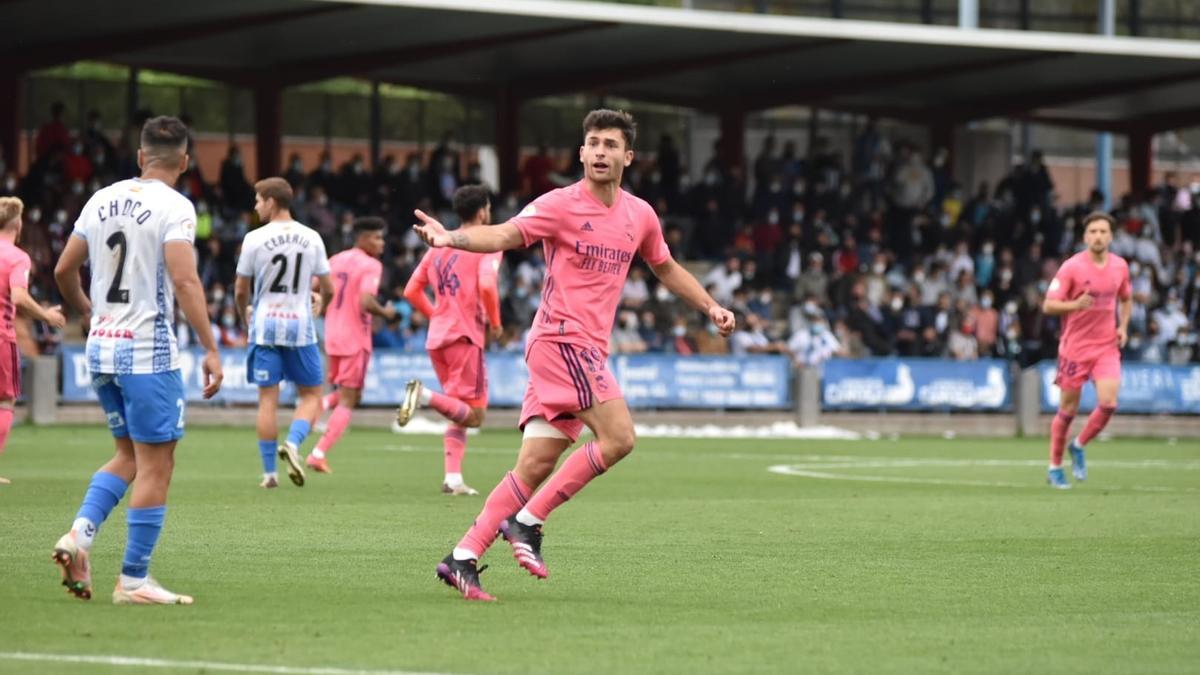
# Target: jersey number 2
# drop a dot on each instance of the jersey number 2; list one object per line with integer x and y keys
{"x": 116, "y": 294}
{"x": 282, "y": 261}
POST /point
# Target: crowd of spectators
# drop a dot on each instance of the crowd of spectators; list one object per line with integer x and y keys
{"x": 869, "y": 250}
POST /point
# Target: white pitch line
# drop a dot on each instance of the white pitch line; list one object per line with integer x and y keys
{"x": 804, "y": 472}
{"x": 139, "y": 662}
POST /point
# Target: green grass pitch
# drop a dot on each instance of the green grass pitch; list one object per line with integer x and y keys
{"x": 909, "y": 556}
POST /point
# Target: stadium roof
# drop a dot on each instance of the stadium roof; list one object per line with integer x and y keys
{"x": 708, "y": 60}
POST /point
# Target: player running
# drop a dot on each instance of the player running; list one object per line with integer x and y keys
{"x": 590, "y": 232}
{"x": 15, "y": 267}
{"x": 464, "y": 284}
{"x": 1085, "y": 292}
{"x": 137, "y": 235}
{"x": 281, "y": 258}
{"x": 356, "y": 274}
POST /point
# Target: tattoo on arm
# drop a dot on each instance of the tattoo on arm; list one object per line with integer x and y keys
{"x": 458, "y": 240}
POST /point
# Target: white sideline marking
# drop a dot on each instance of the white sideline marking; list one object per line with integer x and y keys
{"x": 139, "y": 662}
{"x": 819, "y": 469}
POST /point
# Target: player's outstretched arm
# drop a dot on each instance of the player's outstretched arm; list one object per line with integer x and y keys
{"x": 23, "y": 301}
{"x": 66, "y": 275}
{"x": 681, "y": 282}
{"x": 180, "y": 259}
{"x": 477, "y": 239}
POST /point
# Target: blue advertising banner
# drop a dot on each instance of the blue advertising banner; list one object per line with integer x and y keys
{"x": 1145, "y": 388}
{"x": 647, "y": 380}
{"x": 915, "y": 384}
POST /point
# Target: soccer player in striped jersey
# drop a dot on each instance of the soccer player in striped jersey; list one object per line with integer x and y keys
{"x": 464, "y": 286}
{"x": 137, "y": 236}
{"x": 14, "y": 295}
{"x": 281, "y": 258}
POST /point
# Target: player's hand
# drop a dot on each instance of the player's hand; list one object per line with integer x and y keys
{"x": 1084, "y": 301}
{"x": 1122, "y": 336}
{"x": 494, "y": 332}
{"x": 723, "y": 319}
{"x": 55, "y": 318}
{"x": 390, "y": 313}
{"x": 317, "y": 306}
{"x": 431, "y": 231}
{"x": 212, "y": 373}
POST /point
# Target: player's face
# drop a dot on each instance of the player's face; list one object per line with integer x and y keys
{"x": 262, "y": 207}
{"x": 373, "y": 243}
{"x": 1097, "y": 236}
{"x": 604, "y": 155}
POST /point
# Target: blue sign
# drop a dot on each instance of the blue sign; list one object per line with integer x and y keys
{"x": 1145, "y": 388}
{"x": 915, "y": 384}
{"x": 647, "y": 380}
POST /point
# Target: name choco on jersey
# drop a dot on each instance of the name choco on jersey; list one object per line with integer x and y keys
{"x": 126, "y": 226}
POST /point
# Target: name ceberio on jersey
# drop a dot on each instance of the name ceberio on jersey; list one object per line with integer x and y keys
{"x": 285, "y": 239}
{"x": 601, "y": 258}
{"x": 128, "y": 208}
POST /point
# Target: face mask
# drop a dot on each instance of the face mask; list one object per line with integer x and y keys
{"x": 897, "y": 303}
{"x": 322, "y": 200}
{"x": 297, "y": 166}
{"x": 76, "y": 188}
{"x": 326, "y": 165}
{"x": 227, "y": 321}
{"x": 10, "y": 184}
{"x": 772, "y": 218}
{"x": 776, "y": 187}
{"x": 1135, "y": 269}
{"x": 711, "y": 178}
{"x": 811, "y": 308}
{"x": 679, "y": 331}
{"x": 77, "y": 148}
{"x": 35, "y": 216}
{"x": 60, "y": 216}
{"x": 797, "y": 216}
{"x": 218, "y": 296}
{"x": 986, "y": 303}
{"x": 879, "y": 268}
{"x": 987, "y": 249}
{"x": 798, "y": 187}
{"x": 919, "y": 277}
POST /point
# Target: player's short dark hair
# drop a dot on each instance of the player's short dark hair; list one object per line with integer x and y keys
{"x": 164, "y": 134}
{"x": 1100, "y": 215}
{"x": 468, "y": 199}
{"x": 611, "y": 119}
{"x": 369, "y": 224}
{"x": 275, "y": 188}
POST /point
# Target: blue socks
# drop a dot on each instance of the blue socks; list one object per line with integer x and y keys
{"x": 267, "y": 449}
{"x": 101, "y": 498}
{"x": 298, "y": 432}
{"x": 144, "y": 527}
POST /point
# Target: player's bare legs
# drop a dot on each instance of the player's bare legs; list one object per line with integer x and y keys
{"x": 1106, "y": 405}
{"x": 347, "y": 399}
{"x": 612, "y": 426}
{"x": 6, "y": 421}
{"x": 146, "y": 514}
{"x": 107, "y": 487}
{"x": 1068, "y": 405}
{"x": 268, "y": 434}
{"x": 540, "y": 450}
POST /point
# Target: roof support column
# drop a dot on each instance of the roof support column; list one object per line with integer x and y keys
{"x": 1141, "y": 161}
{"x": 268, "y": 128}
{"x": 1104, "y": 146}
{"x": 11, "y": 90}
{"x": 733, "y": 138}
{"x": 508, "y": 138}
{"x": 375, "y": 124}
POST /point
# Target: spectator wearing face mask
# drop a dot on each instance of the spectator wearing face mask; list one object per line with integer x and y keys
{"x": 625, "y": 337}
{"x": 815, "y": 344}
{"x": 751, "y": 338}
{"x": 986, "y": 321}
{"x": 1170, "y": 317}
{"x": 680, "y": 342}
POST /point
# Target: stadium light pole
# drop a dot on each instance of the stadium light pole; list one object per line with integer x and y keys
{"x": 1104, "y": 150}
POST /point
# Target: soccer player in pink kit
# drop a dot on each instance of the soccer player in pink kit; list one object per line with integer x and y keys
{"x": 14, "y": 294}
{"x": 1091, "y": 292}
{"x": 356, "y": 272}
{"x": 464, "y": 285}
{"x": 590, "y": 232}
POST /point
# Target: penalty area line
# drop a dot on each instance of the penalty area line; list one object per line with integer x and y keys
{"x": 141, "y": 662}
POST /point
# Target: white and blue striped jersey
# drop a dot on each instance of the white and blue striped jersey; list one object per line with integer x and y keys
{"x": 125, "y": 226}
{"x": 283, "y": 257}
